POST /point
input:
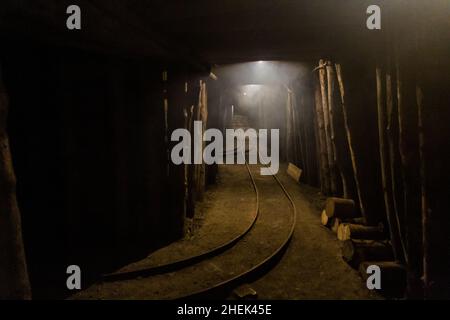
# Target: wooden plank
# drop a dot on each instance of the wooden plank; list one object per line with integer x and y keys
{"x": 294, "y": 171}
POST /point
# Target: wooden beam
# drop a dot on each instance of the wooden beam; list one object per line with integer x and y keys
{"x": 14, "y": 282}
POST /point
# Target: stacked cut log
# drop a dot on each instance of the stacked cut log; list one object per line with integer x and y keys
{"x": 364, "y": 245}
{"x": 340, "y": 208}
{"x": 347, "y": 231}
{"x": 342, "y": 217}
{"x": 337, "y": 211}
{"x": 354, "y": 251}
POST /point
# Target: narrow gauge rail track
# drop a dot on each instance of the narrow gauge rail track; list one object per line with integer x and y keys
{"x": 216, "y": 273}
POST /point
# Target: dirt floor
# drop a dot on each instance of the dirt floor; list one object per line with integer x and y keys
{"x": 312, "y": 266}
{"x": 269, "y": 233}
{"x": 217, "y": 220}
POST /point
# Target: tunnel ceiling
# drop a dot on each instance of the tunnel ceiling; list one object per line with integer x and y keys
{"x": 219, "y": 31}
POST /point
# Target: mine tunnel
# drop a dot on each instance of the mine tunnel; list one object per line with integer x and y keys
{"x": 127, "y": 154}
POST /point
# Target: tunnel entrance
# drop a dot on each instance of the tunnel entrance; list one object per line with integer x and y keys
{"x": 262, "y": 93}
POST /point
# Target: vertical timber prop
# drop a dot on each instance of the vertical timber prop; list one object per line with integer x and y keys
{"x": 410, "y": 171}
{"x": 424, "y": 203}
{"x": 301, "y": 134}
{"x": 349, "y": 139}
{"x": 393, "y": 153}
{"x": 433, "y": 112}
{"x": 433, "y": 99}
{"x": 192, "y": 102}
{"x": 297, "y": 129}
{"x": 316, "y": 145}
{"x": 395, "y": 236}
{"x": 317, "y": 160}
{"x": 311, "y": 137}
{"x": 299, "y": 152}
{"x": 191, "y": 170}
{"x": 289, "y": 128}
{"x": 14, "y": 282}
{"x": 338, "y": 161}
{"x": 178, "y": 177}
{"x": 324, "y": 167}
{"x": 166, "y": 118}
{"x": 187, "y": 121}
{"x": 326, "y": 117}
{"x": 306, "y": 140}
{"x": 202, "y": 115}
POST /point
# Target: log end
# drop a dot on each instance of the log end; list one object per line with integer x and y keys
{"x": 324, "y": 219}
{"x": 343, "y": 232}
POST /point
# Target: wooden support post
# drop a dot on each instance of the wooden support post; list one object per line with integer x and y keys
{"x": 324, "y": 166}
{"x": 424, "y": 197}
{"x": 317, "y": 158}
{"x": 410, "y": 170}
{"x": 296, "y": 128}
{"x": 303, "y": 134}
{"x": 393, "y": 155}
{"x": 326, "y": 117}
{"x": 202, "y": 115}
{"x": 432, "y": 98}
{"x": 349, "y": 139}
{"x": 310, "y": 136}
{"x": 331, "y": 109}
{"x": 390, "y": 215}
{"x": 14, "y": 282}
{"x": 204, "y": 118}
{"x": 190, "y": 206}
{"x": 289, "y": 129}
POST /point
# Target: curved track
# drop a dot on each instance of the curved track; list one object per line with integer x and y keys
{"x": 214, "y": 273}
{"x": 261, "y": 265}
{"x": 182, "y": 263}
